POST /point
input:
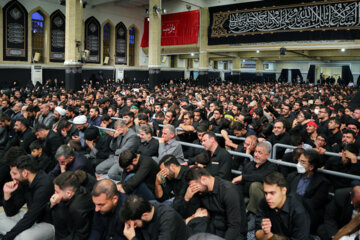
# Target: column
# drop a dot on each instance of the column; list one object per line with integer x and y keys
{"x": 204, "y": 59}
{"x": 73, "y": 44}
{"x": 236, "y": 66}
{"x": 154, "y": 44}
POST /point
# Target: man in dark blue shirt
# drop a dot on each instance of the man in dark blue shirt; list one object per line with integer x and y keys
{"x": 106, "y": 222}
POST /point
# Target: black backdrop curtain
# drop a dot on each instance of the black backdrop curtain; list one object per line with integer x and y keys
{"x": 284, "y": 76}
{"x": 311, "y": 74}
{"x": 296, "y": 76}
{"x": 346, "y": 75}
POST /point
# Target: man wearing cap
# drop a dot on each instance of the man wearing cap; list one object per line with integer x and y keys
{"x": 311, "y": 130}
{"x": 81, "y": 124}
{"x": 59, "y": 112}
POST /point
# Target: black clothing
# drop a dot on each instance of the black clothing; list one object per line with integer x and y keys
{"x": 226, "y": 209}
{"x": 101, "y": 150}
{"x": 338, "y": 213}
{"x": 52, "y": 142}
{"x": 166, "y": 224}
{"x": 315, "y": 197}
{"x": 252, "y": 174}
{"x": 22, "y": 139}
{"x": 334, "y": 138}
{"x": 149, "y": 149}
{"x": 45, "y": 162}
{"x": 292, "y": 220}
{"x": 107, "y": 226}
{"x": 72, "y": 219}
{"x": 73, "y": 132}
{"x": 145, "y": 171}
{"x": 323, "y": 127}
{"x": 220, "y": 163}
{"x": 335, "y": 164}
{"x": 283, "y": 139}
{"x": 191, "y": 152}
{"x": 35, "y": 195}
{"x": 175, "y": 188}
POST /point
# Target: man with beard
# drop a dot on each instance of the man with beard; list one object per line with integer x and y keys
{"x": 81, "y": 124}
{"x": 59, "y": 113}
{"x": 347, "y": 163}
{"x": 67, "y": 130}
{"x": 139, "y": 174}
{"x": 45, "y": 116}
{"x": 279, "y": 135}
{"x": 106, "y": 222}
{"x": 23, "y": 137}
{"x": 71, "y": 208}
{"x": 28, "y": 186}
{"x": 70, "y": 113}
{"x": 323, "y": 116}
{"x": 154, "y": 221}
{"x": 222, "y": 201}
{"x": 149, "y": 146}
{"x": 94, "y": 118}
{"x": 170, "y": 181}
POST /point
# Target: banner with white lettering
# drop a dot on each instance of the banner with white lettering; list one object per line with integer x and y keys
{"x": 272, "y": 21}
{"x": 177, "y": 29}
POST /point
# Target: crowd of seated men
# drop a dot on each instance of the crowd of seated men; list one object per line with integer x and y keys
{"x": 107, "y": 162}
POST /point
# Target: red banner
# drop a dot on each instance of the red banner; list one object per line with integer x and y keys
{"x": 176, "y": 29}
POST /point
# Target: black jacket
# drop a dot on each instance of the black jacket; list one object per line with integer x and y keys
{"x": 338, "y": 213}
{"x": 149, "y": 148}
{"x": 166, "y": 224}
{"x": 220, "y": 163}
{"x": 35, "y": 195}
{"x": 145, "y": 171}
{"x": 107, "y": 226}
{"x": 72, "y": 219}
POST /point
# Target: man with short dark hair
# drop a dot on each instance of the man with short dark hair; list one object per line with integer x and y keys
{"x": 139, "y": 174}
{"x": 98, "y": 145}
{"x": 28, "y": 186}
{"x": 71, "y": 208}
{"x": 106, "y": 222}
{"x": 222, "y": 201}
{"x": 220, "y": 159}
{"x": 170, "y": 181}
{"x": 155, "y": 221}
{"x": 51, "y": 140}
{"x": 280, "y": 216}
{"x": 44, "y": 162}
{"x": 24, "y": 135}
{"x": 94, "y": 118}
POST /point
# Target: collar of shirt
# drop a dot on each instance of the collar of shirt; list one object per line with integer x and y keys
{"x": 285, "y": 207}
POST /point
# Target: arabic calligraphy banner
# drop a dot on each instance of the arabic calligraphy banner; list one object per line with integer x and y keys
{"x": 176, "y": 29}
{"x": 272, "y": 21}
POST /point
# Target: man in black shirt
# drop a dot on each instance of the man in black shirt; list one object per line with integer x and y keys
{"x": 71, "y": 208}
{"x": 106, "y": 223}
{"x": 159, "y": 222}
{"x": 220, "y": 159}
{"x": 279, "y": 215}
{"x": 149, "y": 146}
{"x": 32, "y": 187}
{"x": 139, "y": 174}
{"x": 170, "y": 181}
{"x": 221, "y": 199}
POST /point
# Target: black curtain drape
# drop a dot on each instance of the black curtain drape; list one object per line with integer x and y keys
{"x": 296, "y": 76}
{"x": 284, "y": 76}
{"x": 311, "y": 74}
{"x": 346, "y": 75}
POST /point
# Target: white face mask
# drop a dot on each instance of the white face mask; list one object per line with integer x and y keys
{"x": 316, "y": 111}
{"x": 300, "y": 168}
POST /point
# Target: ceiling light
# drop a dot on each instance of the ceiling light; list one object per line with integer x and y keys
{"x": 343, "y": 49}
{"x": 257, "y": 51}
{"x": 192, "y": 54}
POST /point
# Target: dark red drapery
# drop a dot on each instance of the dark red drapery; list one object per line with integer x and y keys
{"x": 176, "y": 29}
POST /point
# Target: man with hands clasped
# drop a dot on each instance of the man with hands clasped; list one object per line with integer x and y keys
{"x": 32, "y": 187}
{"x": 280, "y": 216}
